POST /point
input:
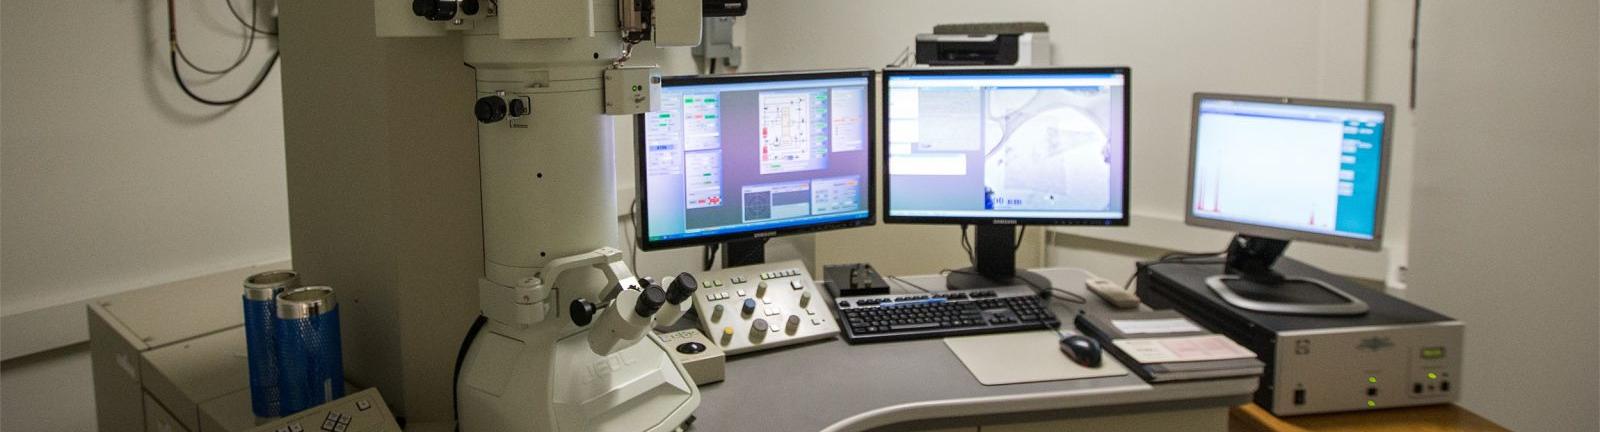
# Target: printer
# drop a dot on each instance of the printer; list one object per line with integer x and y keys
{"x": 985, "y": 44}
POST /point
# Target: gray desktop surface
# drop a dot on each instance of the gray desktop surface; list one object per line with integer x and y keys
{"x": 832, "y": 385}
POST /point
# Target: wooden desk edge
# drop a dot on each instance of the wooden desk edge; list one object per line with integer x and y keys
{"x": 1440, "y": 418}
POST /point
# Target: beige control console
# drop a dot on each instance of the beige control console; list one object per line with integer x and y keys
{"x": 362, "y": 411}
{"x": 751, "y": 308}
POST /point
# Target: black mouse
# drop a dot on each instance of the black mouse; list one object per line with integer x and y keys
{"x": 1083, "y": 351}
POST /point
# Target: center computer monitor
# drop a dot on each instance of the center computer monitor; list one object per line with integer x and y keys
{"x": 1002, "y": 147}
{"x": 1278, "y": 169}
{"x": 742, "y": 158}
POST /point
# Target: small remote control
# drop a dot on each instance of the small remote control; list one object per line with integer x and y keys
{"x": 1111, "y": 293}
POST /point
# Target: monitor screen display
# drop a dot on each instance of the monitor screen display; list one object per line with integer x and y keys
{"x": 743, "y": 156}
{"x": 1014, "y": 145}
{"x": 1297, "y": 166}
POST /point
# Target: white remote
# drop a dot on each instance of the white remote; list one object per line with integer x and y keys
{"x": 1112, "y": 293}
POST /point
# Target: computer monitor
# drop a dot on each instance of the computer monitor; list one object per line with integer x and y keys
{"x": 1279, "y": 169}
{"x": 1002, "y": 147}
{"x": 743, "y": 158}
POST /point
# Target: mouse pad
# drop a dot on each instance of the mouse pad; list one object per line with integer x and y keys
{"x": 1023, "y": 357}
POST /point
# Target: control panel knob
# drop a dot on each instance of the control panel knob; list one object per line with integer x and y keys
{"x": 489, "y": 109}
{"x": 759, "y": 327}
{"x": 650, "y": 301}
{"x": 434, "y": 10}
{"x": 761, "y": 289}
{"x": 793, "y": 324}
{"x": 682, "y": 286}
{"x": 469, "y": 7}
{"x": 519, "y": 107}
{"x": 749, "y": 306}
{"x": 582, "y": 312}
{"x": 805, "y": 298}
{"x": 716, "y": 313}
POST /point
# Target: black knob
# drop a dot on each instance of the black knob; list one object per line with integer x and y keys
{"x": 469, "y": 7}
{"x": 691, "y": 347}
{"x": 434, "y": 10}
{"x": 519, "y": 107}
{"x": 682, "y": 288}
{"x": 490, "y": 109}
{"x": 650, "y": 301}
{"x": 582, "y": 312}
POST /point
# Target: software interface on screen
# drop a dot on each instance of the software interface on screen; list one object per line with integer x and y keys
{"x": 755, "y": 156}
{"x": 1303, "y": 168}
{"x": 1007, "y": 146}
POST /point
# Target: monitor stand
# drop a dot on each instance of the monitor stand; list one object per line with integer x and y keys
{"x": 995, "y": 255}
{"x": 738, "y": 253}
{"x": 1250, "y": 261}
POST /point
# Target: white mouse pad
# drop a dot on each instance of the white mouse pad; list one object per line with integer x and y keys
{"x": 1023, "y": 357}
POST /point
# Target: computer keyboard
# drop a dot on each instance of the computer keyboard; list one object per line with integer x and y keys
{"x": 893, "y": 317}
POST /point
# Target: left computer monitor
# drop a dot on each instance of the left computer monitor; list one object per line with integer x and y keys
{"x": 730, "y": 158}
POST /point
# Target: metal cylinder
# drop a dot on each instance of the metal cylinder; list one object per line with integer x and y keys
{"x": 310, "y": 364}
{"x": 260, "y": 293}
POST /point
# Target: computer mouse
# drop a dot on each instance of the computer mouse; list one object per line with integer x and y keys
{"x": 1082, "y": 350}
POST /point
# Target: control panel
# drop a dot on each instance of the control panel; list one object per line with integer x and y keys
{"x": 362, "y": 411}
{"x": 751, "y": 308}
{"x": 1357, "y": 370}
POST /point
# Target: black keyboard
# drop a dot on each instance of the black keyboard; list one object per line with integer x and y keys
{"x": 892, "y": 317}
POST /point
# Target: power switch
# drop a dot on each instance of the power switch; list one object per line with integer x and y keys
{"x": 1299, "y": 396}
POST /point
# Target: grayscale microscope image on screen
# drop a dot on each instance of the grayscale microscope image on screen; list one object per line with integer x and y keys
{"x": 1006, "y": 145}
{"x": 726, "y": 157}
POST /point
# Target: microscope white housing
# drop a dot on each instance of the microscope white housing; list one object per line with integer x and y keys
{"x": 561, "y": 348}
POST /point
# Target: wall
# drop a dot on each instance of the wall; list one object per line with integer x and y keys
{"x": 1174, "y": 47}
{"x": 1505, "y": 202}
{"x": 112, "y": 179}
{"x": 1385, "y": 76}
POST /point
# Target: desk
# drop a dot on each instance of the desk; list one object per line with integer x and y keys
{"x": 918, "y": 385}
{"x": 1435, "y": 418}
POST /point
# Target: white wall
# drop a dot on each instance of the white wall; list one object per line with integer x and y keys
{"x": 1505, "y": 204}
{"x": 1314, "y": 49}
{"x": 1385, "y": 77}
{"x": 112, "y": 179}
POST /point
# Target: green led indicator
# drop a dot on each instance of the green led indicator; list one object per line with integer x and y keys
{"x": 1372, "y": 404}
{"x": 1433, "y": 376}
{"x": 710, "y": 100}
{"x": 637, "y": 87}
{"x": 1373, "y": 380}
{"x": 711, "y": 116}
{"x": 666, "y": 115}
{"x": 1432, "y": 353}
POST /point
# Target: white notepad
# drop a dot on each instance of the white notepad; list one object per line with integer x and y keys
{"x": 1023, "y": 357}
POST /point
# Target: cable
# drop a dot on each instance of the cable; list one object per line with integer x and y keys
{"x": 633, "y": 237}
{"x": 710, "y": 256}
{"x": 252, "y": 24}
{"x": 909, "y": 283}
{"x": 1018, "y": 244}
{"x": 1170, "y": 258}
{"x": 177, "y": 76}
{"x": 966, "y": 245}
{"x": 244, "y": 52}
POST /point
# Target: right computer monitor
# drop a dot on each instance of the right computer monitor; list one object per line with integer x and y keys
{"x": 1279, "y": 169}
{"x": 1002, "y": 147}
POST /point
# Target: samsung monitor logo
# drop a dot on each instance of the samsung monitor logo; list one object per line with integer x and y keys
{"x": 766, "y": 234}
{"x": 1005, "y": 221}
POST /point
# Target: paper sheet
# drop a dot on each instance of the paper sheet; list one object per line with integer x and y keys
{"x": 1183, "y": 349}
{"x": 1151, "y": 326}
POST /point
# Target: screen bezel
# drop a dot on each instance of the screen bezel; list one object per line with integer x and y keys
{"x": 1127, "y": 139}
{"x": 870, "y": 191}
{"x": 1380, "y": 210}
